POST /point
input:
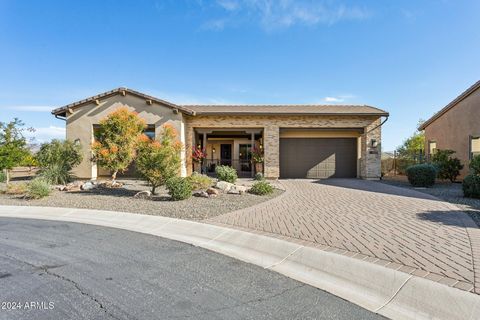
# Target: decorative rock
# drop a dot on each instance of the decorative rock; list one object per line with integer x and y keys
{"x": 143, "y": 195}
{"x": 237, "y": 190}
{"x": 224, "y": 186}
{"x": 212, "y": 191}
{"x": 201, "y": 194}
{"x": 88, "y": 186}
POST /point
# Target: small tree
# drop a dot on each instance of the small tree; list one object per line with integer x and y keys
{"x": 448, "y": 166}
{"x": 13, "y": 146}
{"x": 159, "y": 160}
{"x": 116, "y": 140}
{"x": 57, "y": 158}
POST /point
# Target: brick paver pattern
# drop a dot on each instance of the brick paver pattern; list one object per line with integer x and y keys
{"x": 381, "y": 221}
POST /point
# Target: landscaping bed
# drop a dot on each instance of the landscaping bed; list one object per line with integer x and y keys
{"x": 447, "y": 191}
{"x": 122, "y": 199}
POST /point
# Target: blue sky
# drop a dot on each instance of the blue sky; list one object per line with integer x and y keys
{"x": 408, "y": 57}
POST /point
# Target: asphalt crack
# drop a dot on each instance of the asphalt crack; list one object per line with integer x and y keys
{"x": 47, "y": 270}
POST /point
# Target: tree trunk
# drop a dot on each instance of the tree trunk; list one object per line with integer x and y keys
{"x": 114, "y": 177}
{"x": 7, "y": 176}
{"x": 153, "y": 190}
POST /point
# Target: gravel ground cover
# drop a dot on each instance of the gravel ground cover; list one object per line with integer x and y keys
{"x": 450, "y": 192}
{"x": 121, "y": 199}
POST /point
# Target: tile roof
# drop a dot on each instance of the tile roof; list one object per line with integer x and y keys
{"x": 291, "y": 109}
{"x": 251, "y": 109}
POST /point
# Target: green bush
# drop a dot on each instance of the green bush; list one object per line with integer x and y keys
{"x": 56, "y": 159}
{"x": 261, "y": 188}
{"x": 179, "y": 188}
{"x": 38, "y": 188}
{"x": 259, "y": 177}
{"x": 226, "y": 173}
{"x": 422, "y": 175}
{"x": 200, "y": 181}
{"x": 3, "y": 176}
{"x": 475, "y": 165}
{"x": 471, "y": 186}
{"x": 448, "y": 167}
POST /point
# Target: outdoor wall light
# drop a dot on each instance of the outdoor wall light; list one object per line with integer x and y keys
{"x": 373, "y": 143}
{"x": 213, "y": 149}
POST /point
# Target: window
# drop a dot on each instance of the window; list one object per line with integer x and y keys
{"x": 150, "y": 132}
{"x": 432, "y": 147}
{"x": 474, "y": 146}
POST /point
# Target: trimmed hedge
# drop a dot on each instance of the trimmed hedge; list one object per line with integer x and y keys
{"x": 421, "y": 175}
{"x": 226, "y": 173}
{"x": 471, "y": 186}
{"x": 179, "y": 188}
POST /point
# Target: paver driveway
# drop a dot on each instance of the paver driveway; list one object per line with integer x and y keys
{"x": 396, "y": 227}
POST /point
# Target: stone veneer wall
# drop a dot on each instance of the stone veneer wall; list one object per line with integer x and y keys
{"x": 370, "y": 166}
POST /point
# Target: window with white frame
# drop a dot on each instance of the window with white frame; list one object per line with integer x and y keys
{"x": 474, "y": 146}
{"x": 432, "y": 147}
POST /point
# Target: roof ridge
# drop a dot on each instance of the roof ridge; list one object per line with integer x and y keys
{"x": 451, "y": 104}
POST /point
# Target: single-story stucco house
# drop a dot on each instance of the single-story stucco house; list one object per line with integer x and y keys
{"x": 456, "y": 127}
{"x": 299, "y": 141}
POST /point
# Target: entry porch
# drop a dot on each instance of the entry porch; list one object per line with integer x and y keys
{"x": 230, "y": 147}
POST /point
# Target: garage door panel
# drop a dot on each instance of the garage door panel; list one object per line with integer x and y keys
{"x": 318, "y": 157}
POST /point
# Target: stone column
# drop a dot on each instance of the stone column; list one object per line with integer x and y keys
{"x": 271, "y": 146}
{"x": 188, "y": 149}
{"x": 371, "y": 165}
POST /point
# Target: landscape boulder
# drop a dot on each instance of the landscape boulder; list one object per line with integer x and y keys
{"x": 212, "y": 191}
{"x": 224, "y": 186}
{"x": 237, "y": 190}
{"x": 201, "y": 194}
{"x": 143, "y": 195}
{"x": 89, "y": 185}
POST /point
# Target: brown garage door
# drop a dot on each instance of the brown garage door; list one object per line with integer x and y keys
{"x": 318, "y": 158}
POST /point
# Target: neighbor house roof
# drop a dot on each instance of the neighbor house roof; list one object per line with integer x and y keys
{"x": 62, "y": 110}
{"x": 237, "y": 109}
{"x": 449, "y": 106}
{"x": 284, "y": 109}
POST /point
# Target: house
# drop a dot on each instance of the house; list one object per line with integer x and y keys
{"x": 456, "y": 127}
{"x": 299, "y": 141}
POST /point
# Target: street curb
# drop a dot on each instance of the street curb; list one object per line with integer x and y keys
{"x": 389, "y": 292}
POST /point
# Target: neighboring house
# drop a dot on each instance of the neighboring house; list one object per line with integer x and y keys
{"x": 299, "y": 141}
{"x": 456, "y": 127}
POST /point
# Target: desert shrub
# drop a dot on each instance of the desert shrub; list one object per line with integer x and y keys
{"x": 226, "y": 173}
{"x": 421, "y": 175}
{"x": 258, "y": 176}
{"x": 3, "y": 176}
{"x": 261, "y": 188}
{"x": 200, "y": 181}
{"x": 56, "y": 159}
{"x": 475, "y": 165}
{"x": 159, "y": 160}
{"x": 448, "y": 167}
{"x": 179, "y": 188}
{"x": 38, "y": 188}
{"x": 16, "y": 188}
{"x": 471, "y": 186}
{"x": 116, "y": 140}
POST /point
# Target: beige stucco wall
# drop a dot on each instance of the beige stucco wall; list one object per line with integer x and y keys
{"x": 80, "y": 125}
{"x": 369, "y": 162}
{"x": 454, "y": 128}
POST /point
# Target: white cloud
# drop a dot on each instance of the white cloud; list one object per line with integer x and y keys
{"x": 285, "y": 13}
{"x": 30, "y": 108}
{"x": 229, "y": 5}
{"x": 332, "y": 99}
{"x": 337, "y": 99}
{"x": 45, "y": 134}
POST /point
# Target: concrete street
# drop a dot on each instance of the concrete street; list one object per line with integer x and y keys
{"x": 92, "y": 272}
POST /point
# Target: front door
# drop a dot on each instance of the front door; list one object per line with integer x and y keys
{"x": 226, "y": 154}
